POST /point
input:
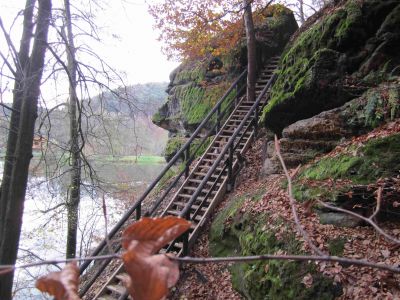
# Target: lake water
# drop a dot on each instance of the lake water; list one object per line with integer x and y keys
{"x": 43, "y": 234}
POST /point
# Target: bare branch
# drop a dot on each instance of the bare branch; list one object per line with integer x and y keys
{"x": 292, "y": 202}
{"x": 378, "y": 203}
{"x": 368, "y": 220}
{"x": 356, "y": 262}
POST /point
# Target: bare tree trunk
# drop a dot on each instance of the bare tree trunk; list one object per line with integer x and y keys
{"x": 23, "y": 149}
{"x": 23, "y": 57}
{"x": 251, "y": 51}
{"x": 75, "y": 158}
{"x": 301, "y": 11}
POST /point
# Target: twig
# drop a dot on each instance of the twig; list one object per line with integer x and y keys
{"x": 368, "y": 220}
{"x": 359, "y": 262}
{"x": 9, "y": 268}
{"x": 378, "y": 203}
{"x": 106, "y": 225}
{"x": 292, "y": 202}
{"x": 9, "y": 108}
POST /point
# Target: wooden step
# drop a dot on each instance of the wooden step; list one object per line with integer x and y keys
{"x": 177, "y": 213}
{"x": 194, "y": 206}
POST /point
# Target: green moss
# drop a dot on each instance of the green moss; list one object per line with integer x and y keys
{"x": 196, "y": 101}
{"x": 382, "y": 105}
{"x": 336, "y": 246}
{"x": 221, "y": 243}
{"x": 237, "y": 233}
{"x": 353, "y": 17}
{"x": 341, "y": 166}
{"x": 191, "y": 72}
{"x": 173, "y": 146}
{"x": 378, "y": 158}
{"x": 156, "y": 118}
{"x": 311, "y": 51}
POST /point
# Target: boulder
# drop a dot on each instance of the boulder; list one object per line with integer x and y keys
{"x": 348, "y": 49}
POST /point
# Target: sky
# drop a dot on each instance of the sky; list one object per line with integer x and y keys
{"x": 128, "y": 42}
{"x": 138, "y": 52}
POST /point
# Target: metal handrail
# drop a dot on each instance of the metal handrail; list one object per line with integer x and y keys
{"x": 136, "y": 207}
{"x": 186, "y": 210}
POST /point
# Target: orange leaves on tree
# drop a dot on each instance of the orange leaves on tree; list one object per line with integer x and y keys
{"x": 63, "y": 285}
{"x": 151, "y": 274}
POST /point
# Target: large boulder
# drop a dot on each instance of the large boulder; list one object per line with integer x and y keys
{"x": 304, "y": 139}
{"x": 343, "y": 52}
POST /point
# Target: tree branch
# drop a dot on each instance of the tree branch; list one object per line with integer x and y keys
{"x": 292, "y": 202}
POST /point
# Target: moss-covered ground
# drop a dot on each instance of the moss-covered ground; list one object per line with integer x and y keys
{"x": 363, "y": 164}
{"x": 236, "y": 233}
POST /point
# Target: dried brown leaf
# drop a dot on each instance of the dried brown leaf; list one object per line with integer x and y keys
{"x": 63, "y": 285}
{"x": 151, "y": 275}
{"x": 149, "y": 235}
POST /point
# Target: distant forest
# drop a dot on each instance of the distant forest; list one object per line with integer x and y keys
{"x": 127, "y": 123}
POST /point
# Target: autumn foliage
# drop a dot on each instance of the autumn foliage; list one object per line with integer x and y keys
{"x": 192, "y": 29}
{"x": 150, "y": 274}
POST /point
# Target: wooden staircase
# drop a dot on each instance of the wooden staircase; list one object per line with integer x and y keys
{"x": 210, "y": 178}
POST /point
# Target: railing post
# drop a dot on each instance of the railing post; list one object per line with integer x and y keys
{"x": 139, "y": 212}
{"x": 187, "y": 161}
{"x": 185, "y": 238}
{"x": 255, "y": 122}
{"x": 230, "y": 168}
{"x": 237, "y": 94}
{"x": 218, "y": 125}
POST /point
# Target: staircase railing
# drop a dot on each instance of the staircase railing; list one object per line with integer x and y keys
{"x": 190, "y": 150}
{"x": 228, "y": 149}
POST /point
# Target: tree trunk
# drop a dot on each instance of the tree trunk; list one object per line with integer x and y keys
{"x": 23, "y": 149}
{"x": 23, "y": 57}
{"x": 251, "y": 51}
{"x": 301, "y": 11}
{"x": 75, "y": 158}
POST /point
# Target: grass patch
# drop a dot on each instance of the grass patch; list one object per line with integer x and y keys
{"x": 132, "y": 159}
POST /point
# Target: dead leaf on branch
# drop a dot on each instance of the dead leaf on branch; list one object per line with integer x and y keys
{"x": 63, "y": 285}
{"x": 151, "y": 275}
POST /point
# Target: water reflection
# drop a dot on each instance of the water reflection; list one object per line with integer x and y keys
{"x": 44, "y": 226}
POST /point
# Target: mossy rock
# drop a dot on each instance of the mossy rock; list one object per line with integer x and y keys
{"x": 377, "y": 158}
{"x": 236, "y": 233}
{"x": 173, "y": 146}
{"x": 357, "y": 40}
{"x": 197, "y": 147}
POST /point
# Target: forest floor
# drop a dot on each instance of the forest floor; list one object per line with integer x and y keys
{"x": 213, "y": 281}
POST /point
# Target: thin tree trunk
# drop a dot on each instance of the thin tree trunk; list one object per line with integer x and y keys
{"x": 23, "y": 149}
{"x": 251, "y": 51}
{"x": 301, "y": 11}
{"x": 23, "y": 57}
{"x": 74, "y": 194}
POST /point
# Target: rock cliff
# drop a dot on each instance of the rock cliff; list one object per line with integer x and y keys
{"x": 337, "y": 55}
{"x": 336, "y": 108}
{"x": 335, "y": 105}
{"x": 195, "y": 86}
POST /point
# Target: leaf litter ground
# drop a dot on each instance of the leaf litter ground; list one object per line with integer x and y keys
{"x": 213, "y": 281}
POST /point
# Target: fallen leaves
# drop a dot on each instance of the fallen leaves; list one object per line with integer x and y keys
{"x": 63, "y": 285}
{"x": 308, "y": 280}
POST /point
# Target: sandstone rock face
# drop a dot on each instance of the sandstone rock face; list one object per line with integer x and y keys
{"x": 195, "y": 86}
{"x": 305, "y": 139}
{"x": 347, "y": 50}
